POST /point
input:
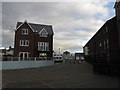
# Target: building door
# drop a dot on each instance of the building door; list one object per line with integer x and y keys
{"x": 23, "y": 55}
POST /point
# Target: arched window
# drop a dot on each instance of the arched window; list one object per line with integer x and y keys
{"x": 25, "y": 55}
{"x": 21, "y": 56}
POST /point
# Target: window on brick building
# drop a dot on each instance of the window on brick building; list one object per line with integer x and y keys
{"x": 25, "y": 31}
{"x": 43, "y": 46}
{"x": 24, "y": 42}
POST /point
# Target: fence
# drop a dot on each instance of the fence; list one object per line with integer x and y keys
{"x": 25, "y": 59}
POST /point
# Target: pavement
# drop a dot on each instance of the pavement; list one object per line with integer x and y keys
{"x": 78, "y": 75}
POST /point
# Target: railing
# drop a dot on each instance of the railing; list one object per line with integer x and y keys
{"x": 25, "y": 59}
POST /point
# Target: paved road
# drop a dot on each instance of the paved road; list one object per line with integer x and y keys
{"x": 58, "y": 76}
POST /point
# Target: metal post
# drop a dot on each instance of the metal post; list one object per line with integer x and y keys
{"x": 59, "y": 51}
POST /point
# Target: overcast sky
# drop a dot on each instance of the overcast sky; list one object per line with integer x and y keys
{"x": 74, "y": 23}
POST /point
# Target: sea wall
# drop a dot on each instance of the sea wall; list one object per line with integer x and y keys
{"x": 8, "y": 65}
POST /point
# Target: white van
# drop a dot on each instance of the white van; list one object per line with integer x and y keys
{"x": 58, "y": 59}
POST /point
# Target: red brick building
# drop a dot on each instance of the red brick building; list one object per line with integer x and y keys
{"x": 33, "y": 40}
{"x": 103, "y": 49}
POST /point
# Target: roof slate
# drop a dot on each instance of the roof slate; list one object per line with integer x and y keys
{"x": 39, "y": 27}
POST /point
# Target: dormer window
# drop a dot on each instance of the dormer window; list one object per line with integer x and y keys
{"x": 25, "y": 31}
{"x": 43, "y": 33}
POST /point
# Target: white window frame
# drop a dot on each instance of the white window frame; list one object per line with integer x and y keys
{"x": 24, "y": 42}
{"x": 43, "y": 46}
{"x": 86, "y": 50}
{"x": 24, "y": 31}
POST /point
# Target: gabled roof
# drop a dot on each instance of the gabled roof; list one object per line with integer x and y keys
{"x": 38, "y": 27}
{"x": 43, "y": 30}
{"x": 66, "y": 52}
{"x": 21, "y": 23}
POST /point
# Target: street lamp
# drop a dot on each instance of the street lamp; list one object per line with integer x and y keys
{"x": 59, "y": 51}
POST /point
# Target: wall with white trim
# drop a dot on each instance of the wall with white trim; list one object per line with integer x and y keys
{"x": 6, "y": 65}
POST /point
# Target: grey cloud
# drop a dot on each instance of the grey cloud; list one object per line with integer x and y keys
{"x": 7, "y": 38}
{"x": 64, "y": 17}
